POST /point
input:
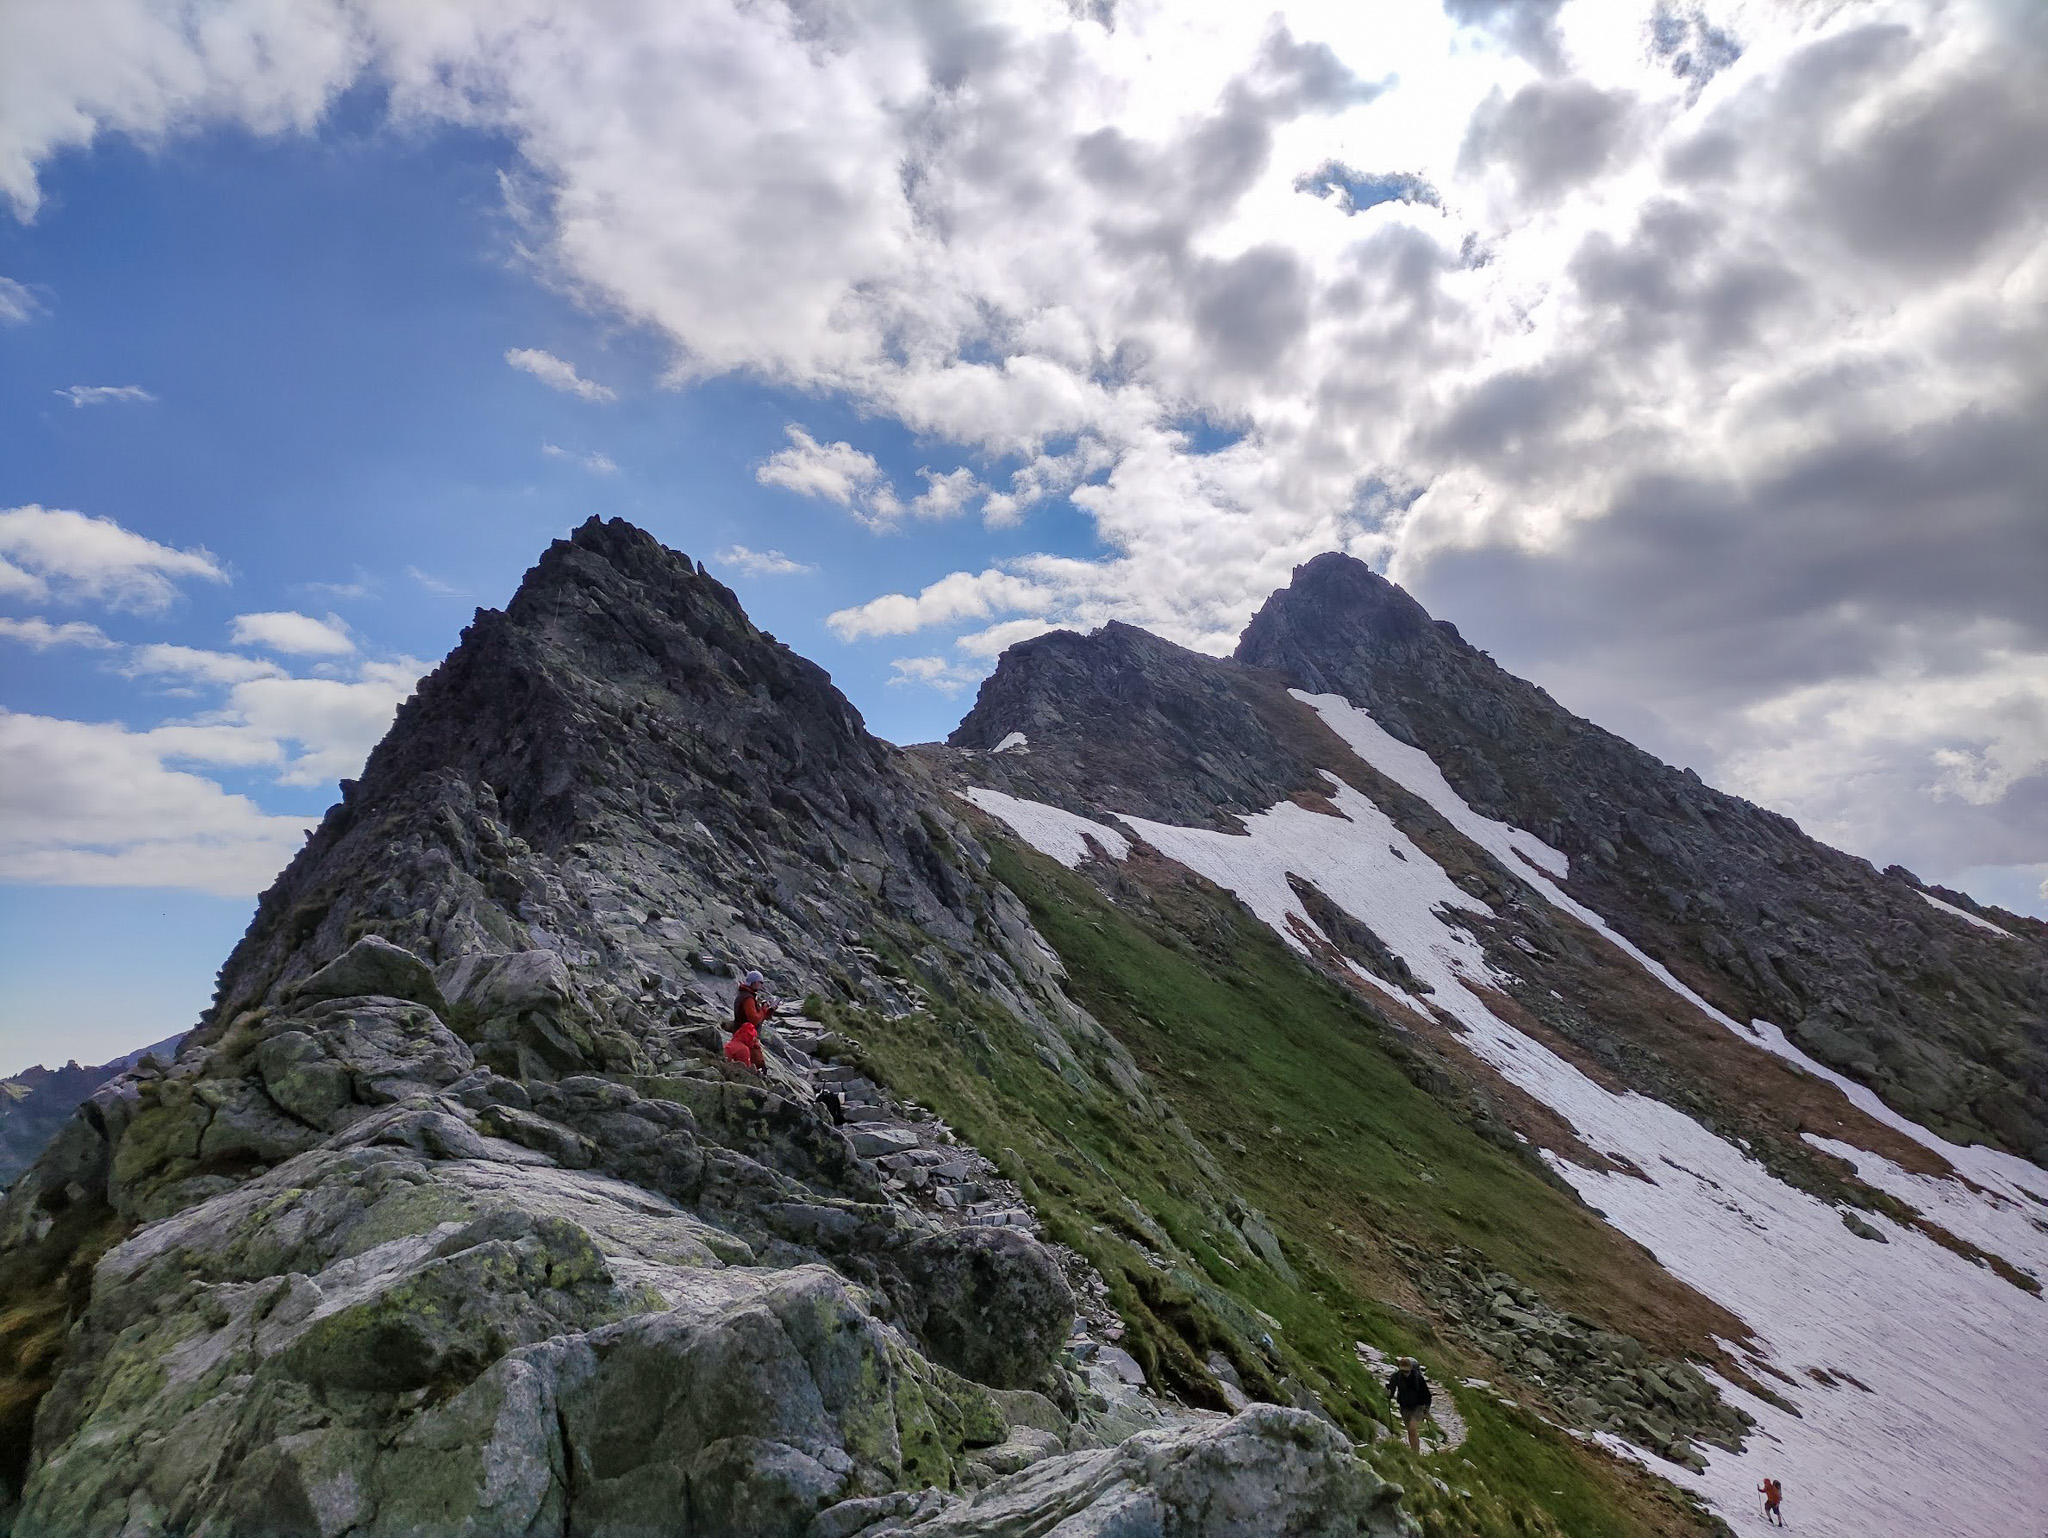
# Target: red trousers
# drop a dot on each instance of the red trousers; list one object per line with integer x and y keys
{"x": 745, "y": 1049}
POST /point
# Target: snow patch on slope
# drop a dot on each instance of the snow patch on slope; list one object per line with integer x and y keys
{"x": 1364, "y": 864}
{"x": 2015, "y": 1230}
{"x": 1051, "y": 831}
{"x": 1968, "y": 917}
{"x": 2008, "y": 1179}
{"x": 1945, "y": 1435}
{"x": 1416, "y": 772}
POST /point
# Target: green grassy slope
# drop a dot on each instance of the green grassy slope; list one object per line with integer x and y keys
{"x": 1334, "y": 1175}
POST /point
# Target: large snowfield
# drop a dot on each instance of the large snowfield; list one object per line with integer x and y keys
{"x": 1932, "y": 1417}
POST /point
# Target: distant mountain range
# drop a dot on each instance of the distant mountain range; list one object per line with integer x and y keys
{"x": 1167, "y": 1052}
{"x": 37, "y": 1101}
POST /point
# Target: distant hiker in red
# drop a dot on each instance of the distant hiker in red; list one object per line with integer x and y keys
{"x": 750, "y": 1007}
{"x": 1772, "y": 1492}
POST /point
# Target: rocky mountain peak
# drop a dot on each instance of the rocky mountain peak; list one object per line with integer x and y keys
{"x": 621, "y": 690}
{"x": 1765, "y": 921}
{"x": 1122, "y": 716}
{"x": 1337, "y": 600}
{"x": 611, "y": 629}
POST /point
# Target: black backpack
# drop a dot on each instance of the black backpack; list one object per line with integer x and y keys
{"x": 1416, "y": 1384}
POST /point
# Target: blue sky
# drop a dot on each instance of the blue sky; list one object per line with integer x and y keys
{"x": 321, "y": 323}
{"x": 1689, "y": 357}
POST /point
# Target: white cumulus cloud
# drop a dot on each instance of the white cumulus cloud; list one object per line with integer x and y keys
{"x": 98, "y": 804}
{"x": 54, "y": 552}
{"x": 294, "y": 634}
{"x": 329, "y": 724}
{"x": 191, "y": 664}
{"x": 834, "y": 472}
{"x": 557, "y": 374}
{"x": 962, "y": 595}
{"x": 1693, "y": 356}
{"x": 94, "y": 804}
{"x": 946, "y": 493}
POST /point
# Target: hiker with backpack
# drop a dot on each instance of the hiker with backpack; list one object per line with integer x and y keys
{"x": 1773, "y": 1493}
{"x": 750, "y": 1006}
{"x": 1409, "y": 1390}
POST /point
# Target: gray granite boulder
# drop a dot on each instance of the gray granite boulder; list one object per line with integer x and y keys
{"x": 374, "y": 966}
{"x": 1268, "y": 1472}
{"x": 989, "y": 1303}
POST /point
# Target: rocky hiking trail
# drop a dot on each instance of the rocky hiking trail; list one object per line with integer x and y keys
{"x": 443, "y": 1300}
{"x": 925, "y": 1167}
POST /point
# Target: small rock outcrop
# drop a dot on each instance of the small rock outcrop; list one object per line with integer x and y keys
{"x": 36, "y": 1102}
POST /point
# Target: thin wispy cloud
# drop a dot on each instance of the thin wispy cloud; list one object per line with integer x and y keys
{"x": 362, "y": 587}
{"x": 17, "y": 304}
{"x": 761, "y": 563}
{"x": 105, "y": 395}
{"x": 557, "y": 374}
{"x": 40, "y": 635}
{"x": 596, "y": 462}
{"x": 432, "y": 584}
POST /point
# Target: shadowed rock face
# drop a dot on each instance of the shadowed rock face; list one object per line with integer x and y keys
{"x": 1122, "y": 718}
{"x": 1948, "y": 1023}
{"x": 622, "y": 702}
{"x": 989, "y": 1304}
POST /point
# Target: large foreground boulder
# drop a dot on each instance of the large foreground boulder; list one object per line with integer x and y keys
{"x": 991, "y": 1303}
{"x": 380, "y": 1339}
{"x": 1269, "y": 1472}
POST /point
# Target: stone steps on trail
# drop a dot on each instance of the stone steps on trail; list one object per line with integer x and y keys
{"x": 1444, "y": 1418}
{"x": 924, "y": 1167}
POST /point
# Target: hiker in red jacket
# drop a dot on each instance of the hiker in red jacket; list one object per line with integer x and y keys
{"x": 750, "y": 1006}
{"x": 1773, "y": 1493}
